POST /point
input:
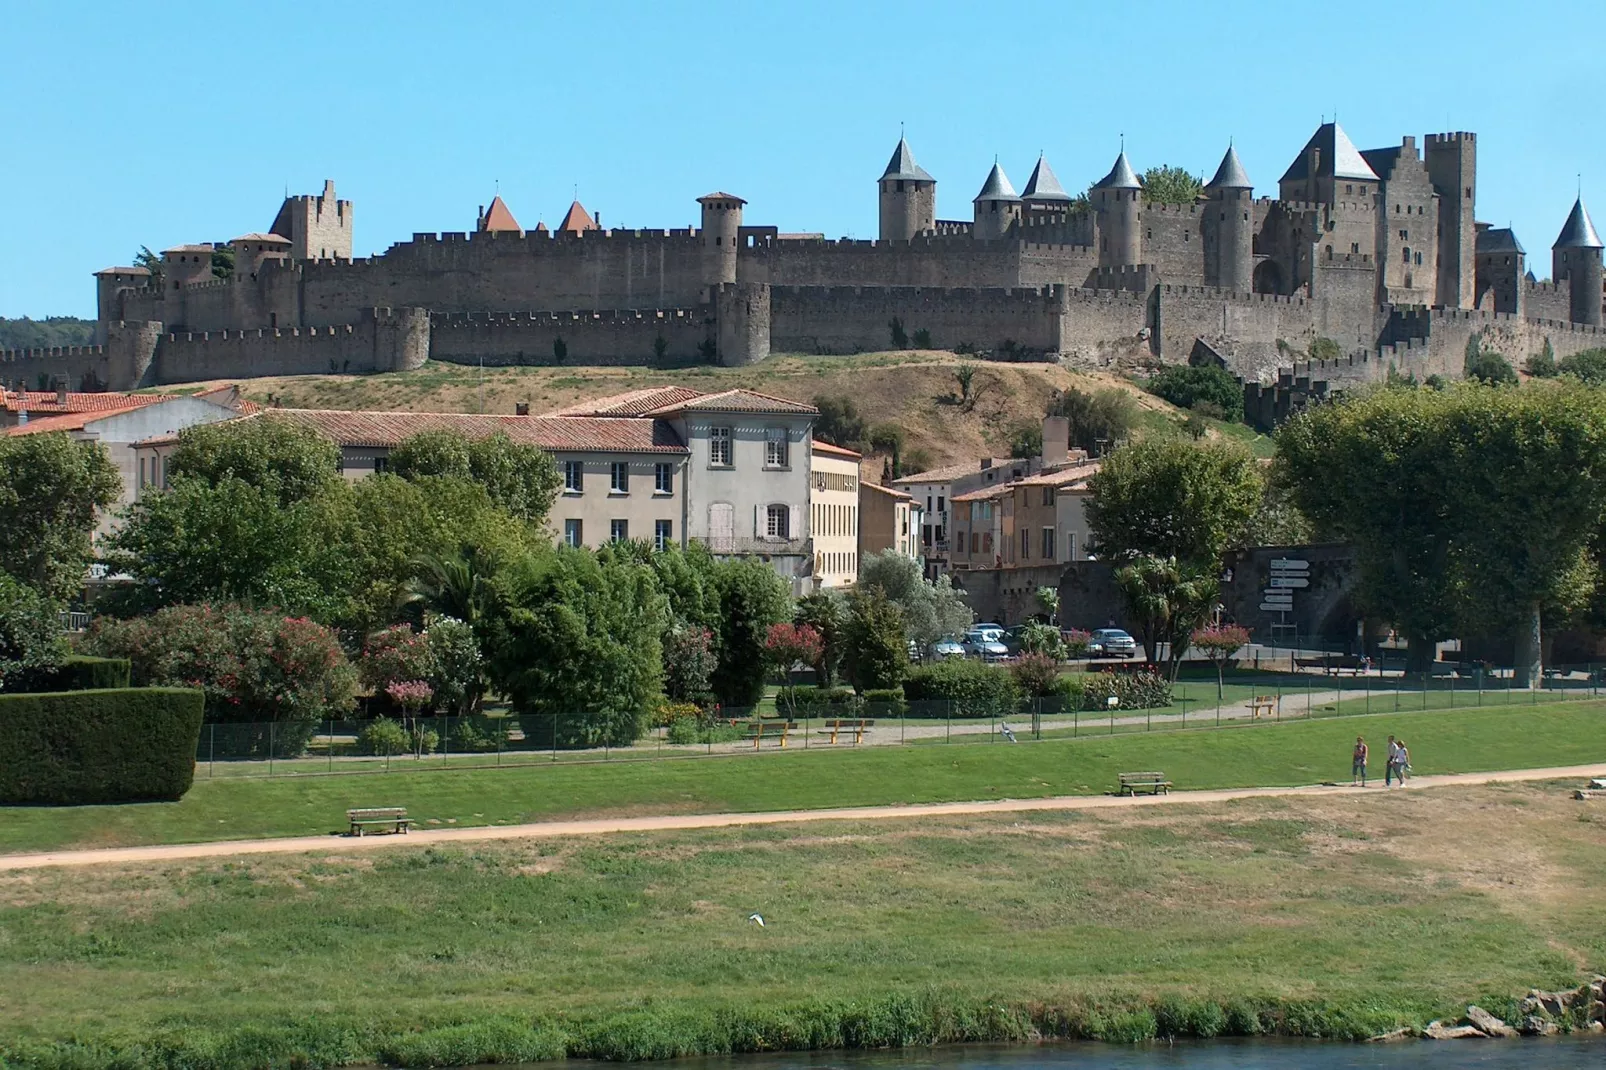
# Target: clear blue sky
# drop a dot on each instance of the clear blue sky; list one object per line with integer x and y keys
{"x": 161, "y": 123}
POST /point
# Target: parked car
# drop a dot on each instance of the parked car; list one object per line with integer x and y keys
{"x": 994, "y": 631}
{"x": 1011, "y": 639}
{"x": 1112, "y": 643}
{"x": 984, "y": 644}
{"x": 947, "y": 647}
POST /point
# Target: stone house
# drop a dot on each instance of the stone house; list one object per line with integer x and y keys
{"x": 889, "y": 520}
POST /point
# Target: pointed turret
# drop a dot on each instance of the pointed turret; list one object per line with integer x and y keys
{"x": 1231, "y": 173}
{"x": 1579, "y": 232}
{"x": 1044, "y": 185}
{"x": 1230, "y": 259}
{"x": 1576, "y": 260}
{"x": 1118, "y": 211}
{"x": 577, "y": 220}
{"x": 908, "y": 197}
{"x": 497, "y": 217}
{"x": 997, "y": 206}
{"x": 1121, "y": 176}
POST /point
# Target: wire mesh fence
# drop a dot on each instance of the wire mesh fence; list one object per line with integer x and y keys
{"x": 499, "y": 738}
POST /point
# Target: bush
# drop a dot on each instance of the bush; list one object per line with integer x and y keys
{"x": 470, "y": 734}
{"x": 668, "y": 713}
{"x": 1135, "y": 690}
{"x": 885, "y": 702}
{"x": 123, "y": 745}
{"x": 689, "y": 664}
{"x": 395, "y": 655}
{"x": 457, "y": 675}
{"x": 383, "y": 736}
{"x": 1035, "y": 674}
{"x": 31, "y": 646}
{"x": 1184, "y": 386}
{"x": 961, "y": 687}
{"x": 1076, "y": 642}
{"x": 875, "y": 649}
{"x": 78, "y": 672}
{"x": 1039, "y": 638}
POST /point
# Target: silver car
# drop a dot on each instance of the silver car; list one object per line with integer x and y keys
{"x": 984, "y": 644}
{"x": 1112, "y": 643}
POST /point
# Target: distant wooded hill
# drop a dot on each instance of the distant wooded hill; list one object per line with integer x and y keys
{"x": 28, "y": 333}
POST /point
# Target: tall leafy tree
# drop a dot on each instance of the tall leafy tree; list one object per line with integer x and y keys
{"x": 521, "y": 479}
{"x": 875, "y": 644}
{"x": 291, "y": 462}
{"x": 825, "y": 612}
{"x": 1171, "y": 185}
{"x": 1168, "y": 599}
{"x": 751, "y": 598}
{"x": 573, "y": 643}
{"x": 1170, "y": 498}
{"x": 931, "y": 610}
{"x": 50, "y": 491}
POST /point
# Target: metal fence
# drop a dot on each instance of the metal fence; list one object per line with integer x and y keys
{"x": 496, "y": 739}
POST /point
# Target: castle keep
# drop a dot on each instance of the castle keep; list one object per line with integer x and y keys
{"x": 1378, "y": 250}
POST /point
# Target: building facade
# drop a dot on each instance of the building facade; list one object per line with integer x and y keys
{"x": 889, "y": 520}
{"x": 834, "y": 514}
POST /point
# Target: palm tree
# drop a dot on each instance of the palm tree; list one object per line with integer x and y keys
{"x": 1168, "y": 600}
{"x": 454, "y": 586}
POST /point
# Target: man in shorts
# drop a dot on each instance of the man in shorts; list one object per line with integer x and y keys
{"x": 1357, "y": 768}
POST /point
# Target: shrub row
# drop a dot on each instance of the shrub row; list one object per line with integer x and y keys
{"x": 125, "y": 745}
{"x": 79, "y": 672}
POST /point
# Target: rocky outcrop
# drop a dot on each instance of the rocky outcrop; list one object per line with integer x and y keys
{"x": 1488, "y": 1024}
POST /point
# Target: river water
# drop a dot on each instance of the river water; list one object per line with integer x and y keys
{"x": 1567, "y": 1053}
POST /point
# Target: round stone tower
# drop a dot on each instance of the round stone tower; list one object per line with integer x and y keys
{"x": 1118, "y": 209}
{"x": 1576, "y": 257}
{"x": 722, "y": 225}
{"x": 997, "y": 206}
{"x": 1232, "y": 216}
{"x": 908, "y": 197}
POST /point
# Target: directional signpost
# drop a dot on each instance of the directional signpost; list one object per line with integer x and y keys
{"x": 1287, "y": 575}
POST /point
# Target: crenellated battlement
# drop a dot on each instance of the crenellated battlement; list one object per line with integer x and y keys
{"x": 53, "y": 353}
{"x": 1457, "y": 135}
{"x": 1215, "y": 293}
{"x": 546, "y": 238}
{"x": 1049, "y": 294}
{"x": 1173, "y": 209}
{"x": 549, "y": 320}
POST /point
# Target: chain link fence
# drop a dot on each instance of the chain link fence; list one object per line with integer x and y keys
{"x": 286, "y": 748}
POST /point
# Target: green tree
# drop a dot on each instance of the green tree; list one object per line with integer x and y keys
{"x": 1278, "y": 521}
{"x": 930, "y": 610}
{"x": 1542, "y": 365}
{"x": 222, "y": 262}
{"x": 839, "y": 422}
{"x": 50, "y": 491}
{"x": 1372, "y": 472}
{"x": 151, "y": 262}
{"x": 826, "y": 613}
{"x": 455, "y": 585}
{"x": 1187, "y": 386}
{"x": 31, "y": 643}
{"x": 1026, "y": 441}
{"x": 50, "y": 332}
{"x": 574, "y": 645}
{"x": 751, "y": 598}
{"x": 687, "y": 579}
{"x": 1324, "y": 349}
{"x": 1171, "y": 498}
{"x": 521, "y": 479}
{"x": 1098, "y": 419}
{"x": 888, "y": 438}
{"x": 289, "y": 461}
{"x": 1169, "y": 600}
{"x": 1588, "y": 365}
{"x": 1171, "y": 185}
{"x": 1491, "y": 369}
{"x": 1048, "y": 601}
{"x": 900, "y": 337}
{"x": 875, "y": 646}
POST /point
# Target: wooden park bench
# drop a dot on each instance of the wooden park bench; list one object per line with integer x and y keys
{"x": 857, "y": 727}
{"x": 758, "y": 730}
{"x": 378, "y": 817}
{"x": 1332, "y": 664}
{"x": 1266, "y": 704}
{"x": 1152, "y": 783}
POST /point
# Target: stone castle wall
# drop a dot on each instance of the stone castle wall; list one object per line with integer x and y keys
{"x": 530, "y": 338}
{"x": 856, "y": 319}
{"x": 381, "y": 340}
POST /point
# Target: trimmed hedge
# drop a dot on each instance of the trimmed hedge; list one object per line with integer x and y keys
{"x": 79, "y": 672}
{"x": 960, "y": 687}
{"x": 115, "y": 745}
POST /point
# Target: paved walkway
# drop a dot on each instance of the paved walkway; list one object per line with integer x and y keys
{"x": 601, "y": 826}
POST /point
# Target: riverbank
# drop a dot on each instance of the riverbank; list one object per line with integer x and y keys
{"x": 1341, "y": 916}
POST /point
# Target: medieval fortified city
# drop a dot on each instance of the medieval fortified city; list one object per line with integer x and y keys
{"x": 758, "y": 645}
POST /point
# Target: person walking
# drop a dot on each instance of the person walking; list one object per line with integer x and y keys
{"x": 1405, "y": 760}
{"x": 1357, "y": 767}
{"x": 1391, "y": 767}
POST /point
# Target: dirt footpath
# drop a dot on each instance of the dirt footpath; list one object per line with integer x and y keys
{"x": 546, "y": 829}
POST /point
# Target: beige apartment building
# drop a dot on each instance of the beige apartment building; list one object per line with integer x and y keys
{"x": 834, "y": 514}
{"x": 888, "y": 520}
{"x": 1039, "y": 520}
{"x": 622, "y": 478}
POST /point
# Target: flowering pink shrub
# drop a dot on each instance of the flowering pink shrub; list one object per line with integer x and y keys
{"x": 787, "y": 644}
{"x": 1076, "y": 641}
{"x": 410, "y": 695}
{"x": 395, "y": 654}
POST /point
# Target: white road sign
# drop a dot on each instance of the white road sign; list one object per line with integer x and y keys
{"x": 1290, "y": 581}
{"x": 1273, "y": 607}
{"x": 1289, "y": 564}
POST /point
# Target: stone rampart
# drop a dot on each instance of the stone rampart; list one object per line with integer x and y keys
{"x": 382, "y": 340}
{"x": 1244, "y": 327}
{"x": 606, "y": 338}
{"x": 923, "y": 262}
{"x": 853, "y": 319}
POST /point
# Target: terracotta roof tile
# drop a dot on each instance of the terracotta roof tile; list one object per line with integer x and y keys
{"x": 630, "y": 403}
{"x": 577, "y": 219}
{"x": 1064, "y": 477}
{"x": 566, "y": 434}
{"x": 736, "y": 401}
{"x": 497, "y": 217}
{"x": 44, "y": 402}
{"x": 948, "y": 473}
{"x": 833, "y": 450}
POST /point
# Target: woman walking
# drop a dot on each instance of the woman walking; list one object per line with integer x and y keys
{"x": 1357, "y": 768}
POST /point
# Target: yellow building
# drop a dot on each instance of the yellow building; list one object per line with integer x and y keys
{"x": 834, "y": 514}
{"x": 889, "y": 520}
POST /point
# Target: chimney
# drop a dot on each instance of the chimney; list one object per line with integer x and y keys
{"x": 986, "y": 463}
{"x": 61, "y": 393}
{"x": 521, "y": 408}
{"x": 1056, "y": 441}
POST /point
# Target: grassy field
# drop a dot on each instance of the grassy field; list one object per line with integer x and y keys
{"x": 1340, "y": 916}
{"x": 1301, "y": 752}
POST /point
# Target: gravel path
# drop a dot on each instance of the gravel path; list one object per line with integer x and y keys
{"x": 600, "y": 826}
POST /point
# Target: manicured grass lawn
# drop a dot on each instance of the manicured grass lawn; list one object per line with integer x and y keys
{"x": 1341, "y": 915}
{"x": 1288, "y": 753}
